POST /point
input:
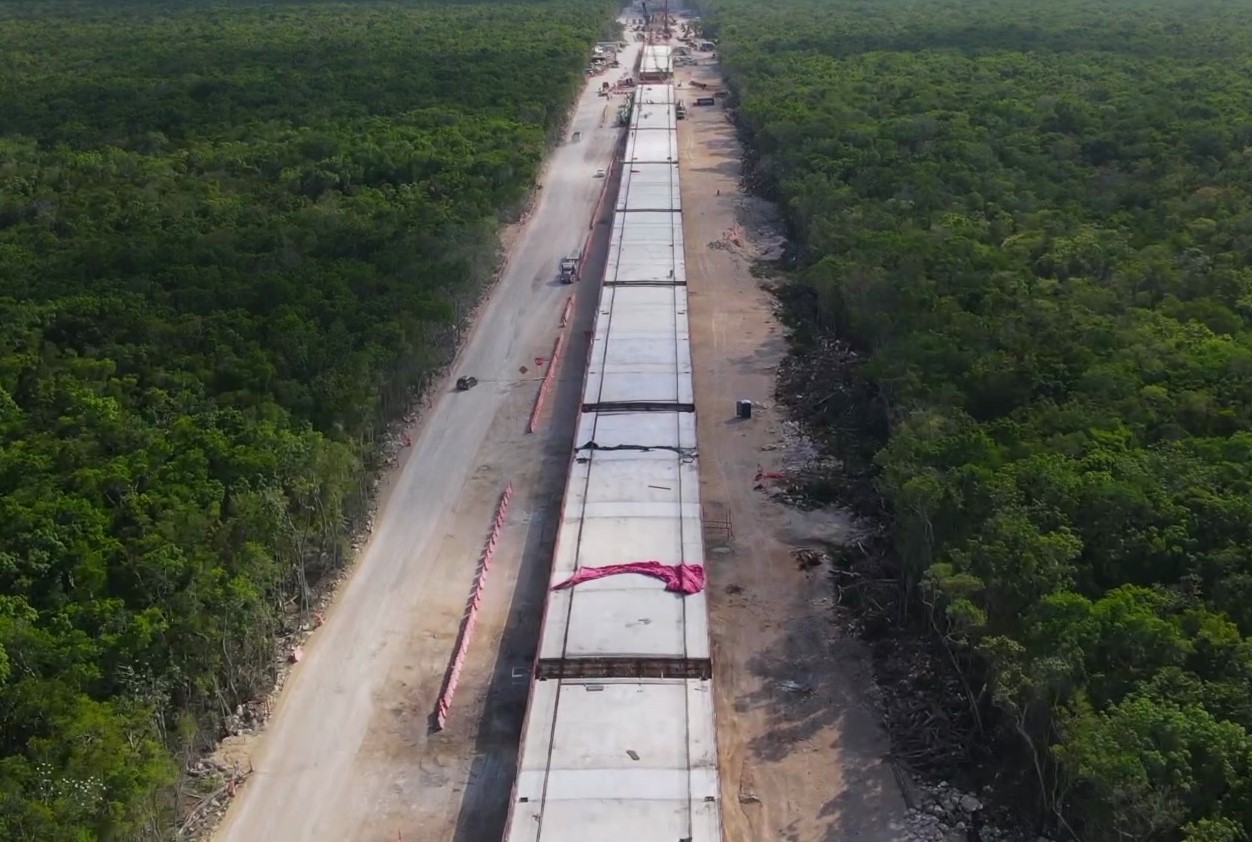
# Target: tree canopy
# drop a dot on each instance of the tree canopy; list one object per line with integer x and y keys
{"x": 1037, "y": 219}
{"x": 234, "y": 238}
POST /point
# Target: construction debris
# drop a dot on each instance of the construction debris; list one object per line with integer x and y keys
{"x": 797, "y": 688}
{"x": 757, "y": 235}
{"x": 807, "y": 559}
{"x": 820, "y": 465}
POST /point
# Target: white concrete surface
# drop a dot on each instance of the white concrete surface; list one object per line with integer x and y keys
{"x": 624, "y": 506}
{"x": 646, "y": 247}
{"x": 649, "y": 116}
{"x": 649, "y": 147}
{"x": 649, "y": 187}
{"x": 658, "y": 60}
{"x": 618, "y": 760}
{"x": 656, "y": 94}
{"x": 314, "y": 777}
{"x": 641, "y": 349}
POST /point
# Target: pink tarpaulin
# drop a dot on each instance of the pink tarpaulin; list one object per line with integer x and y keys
{"x": 680, "y": 578}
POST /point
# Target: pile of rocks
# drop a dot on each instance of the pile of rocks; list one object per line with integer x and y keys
{"x": 797, "y": 451}
{"x": 247, "y": 719}
{"x": 948, "y": 815}
{"x": 213, "y": 783}
{"x": 765, "y": 238}
{"x": 799, "y": 463}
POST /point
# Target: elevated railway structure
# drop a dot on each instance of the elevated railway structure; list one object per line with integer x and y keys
{"x": 619, "y": 740}
{"x": 657, "y": 63}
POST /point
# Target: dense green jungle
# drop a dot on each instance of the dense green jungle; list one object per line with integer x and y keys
{"x": 235, "y": 239}
{"x": 1035, "y": 221}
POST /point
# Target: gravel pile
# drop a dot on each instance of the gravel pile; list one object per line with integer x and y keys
{"x": 949, "y": 815}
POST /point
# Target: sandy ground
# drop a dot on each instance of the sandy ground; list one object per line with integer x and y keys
{"x": 348, "y": 754}
{"x": 801, "y": 750}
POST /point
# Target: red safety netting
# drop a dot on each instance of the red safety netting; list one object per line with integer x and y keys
{"x": 680, "y": 578}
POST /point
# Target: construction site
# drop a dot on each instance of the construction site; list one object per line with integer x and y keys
{"x": 595, "y": 618}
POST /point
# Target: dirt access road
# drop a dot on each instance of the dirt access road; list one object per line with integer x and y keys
{"x": 800, "y": 747}
{"x": 347, "y": 754}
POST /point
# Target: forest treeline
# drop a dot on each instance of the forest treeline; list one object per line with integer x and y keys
{"x": 1037, "y": 221}
{"x": 234, "y": 239}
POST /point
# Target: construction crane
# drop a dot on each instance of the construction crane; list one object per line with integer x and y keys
{"x": 650, "y": 21}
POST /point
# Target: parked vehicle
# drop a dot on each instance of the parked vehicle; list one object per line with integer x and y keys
{"x": 600, "y": 172}
{"x": 569, "y": 269}
{"x": 466, "y": 383}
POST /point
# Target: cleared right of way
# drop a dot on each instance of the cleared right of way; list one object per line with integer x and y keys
{"x": 347, "y": 755}
{"x": 808, "y": 766}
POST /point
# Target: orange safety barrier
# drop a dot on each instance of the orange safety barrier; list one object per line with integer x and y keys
{"x": 471, "y": 612}
{"x": 553, "y": 362}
